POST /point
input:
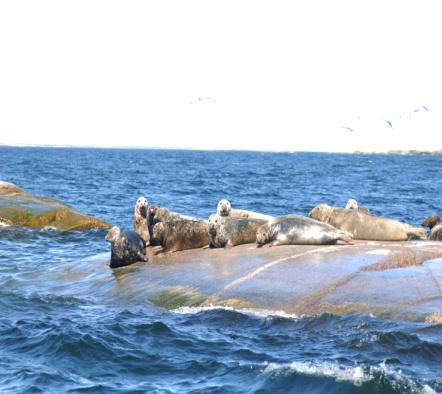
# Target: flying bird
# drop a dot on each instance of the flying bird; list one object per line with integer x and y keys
{"x": 347, "y": 128}
{"x": 388, "y": 122}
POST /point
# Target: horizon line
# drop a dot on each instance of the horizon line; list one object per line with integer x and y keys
{"x": 358, "y": 151}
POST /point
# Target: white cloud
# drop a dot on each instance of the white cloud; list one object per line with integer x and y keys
{"x": 285, "y": 75}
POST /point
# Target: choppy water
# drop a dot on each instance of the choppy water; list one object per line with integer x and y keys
{"x": 63, "y": 328}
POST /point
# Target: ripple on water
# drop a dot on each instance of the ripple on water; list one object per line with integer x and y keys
{"x": 63, "y": 329}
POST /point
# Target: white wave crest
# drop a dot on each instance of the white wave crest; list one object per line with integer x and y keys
{"x": 49, "y": 228}
{"x": 4, "y": 224}
{"x": 356, "y": 375}
{"x": 264, "y": 313}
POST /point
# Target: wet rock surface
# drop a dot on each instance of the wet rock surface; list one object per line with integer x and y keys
{"x": 19, "y": 208}
{"x": 340, "y": 279}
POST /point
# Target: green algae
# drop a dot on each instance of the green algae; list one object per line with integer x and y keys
{"x": 19, "y": 208}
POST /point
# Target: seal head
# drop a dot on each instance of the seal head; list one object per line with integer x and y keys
{"x": 224, "y": 207}
{"x": 351, "y": 204}
{"x": 431, "y": 221}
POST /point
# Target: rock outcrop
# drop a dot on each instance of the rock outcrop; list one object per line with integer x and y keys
{"x": 19, "y": 208}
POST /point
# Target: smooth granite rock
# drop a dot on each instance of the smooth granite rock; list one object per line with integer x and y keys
{"x": 19, "y": 208}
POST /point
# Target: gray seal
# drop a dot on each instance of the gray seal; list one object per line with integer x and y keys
{"x": 182, "y": 234}
{"x": 161, "y": 214}
{"x": 353, "y": 204}
{"x": 299, "y": 230}
{"x": 364, "y": 226}
{"x": 127, "y": 247}
{"x": 227, "y": 232}
{"x": 141, "y": 226}
{"x": 224, "y": 208}
{"x": 434, "y": 223}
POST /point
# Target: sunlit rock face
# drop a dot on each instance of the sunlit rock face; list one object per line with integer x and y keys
{"x": 19, "y": 208}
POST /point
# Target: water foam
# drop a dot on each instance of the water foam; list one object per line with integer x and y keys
{"x": 263, "y": 313}
{"x": 340, "y": 373}
{"x": 357, "y": 374}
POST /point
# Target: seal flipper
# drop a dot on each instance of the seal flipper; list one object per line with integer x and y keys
{"x": 346, "y": 237}
{"x": 143, "y": 257}
{"x": 416, "y": 232}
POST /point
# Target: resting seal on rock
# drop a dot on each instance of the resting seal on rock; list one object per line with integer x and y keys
{"x": 225, "y": 209}
{"x": 353, "y": 204}
{"x": 141, "y": 219}
{"x": 178, "y": 235}
{"x": 127, "y": 247}
{"x": 227, "y": 232}
{"x": 160, "y": 214}
{"x": 434, "y": 223}
{"x": 299, "y": 230}
{"x": 364, "y": 226}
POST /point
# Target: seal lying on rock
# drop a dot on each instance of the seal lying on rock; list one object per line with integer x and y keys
{"x": 127, "y": 247}
{"x": 299, "y": 230}
{"x": 160, "y": 214}
{"x": 141, "y": 219}
{"x": 353, "y": 204}
{"x": 364, "y": 226}
{"x": 225, "y": 209}
{"x": 434, "y": 223}
{"x": 178, "y": 235}
{"x": 226, "y": 231}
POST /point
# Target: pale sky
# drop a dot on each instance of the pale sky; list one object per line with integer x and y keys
{"x": 265, "y": 75}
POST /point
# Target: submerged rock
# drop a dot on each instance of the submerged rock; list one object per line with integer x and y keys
{"x": 19, "y": 208}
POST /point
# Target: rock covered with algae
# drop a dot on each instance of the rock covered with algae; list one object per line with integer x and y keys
{"x": 19, "y": 208}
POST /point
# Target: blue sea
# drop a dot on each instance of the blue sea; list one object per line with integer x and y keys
{"x": 64, "y": 328}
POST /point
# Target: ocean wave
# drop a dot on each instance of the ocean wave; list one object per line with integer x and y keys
{"x": 357, "y": 375}
{"x": 262, "y": 313}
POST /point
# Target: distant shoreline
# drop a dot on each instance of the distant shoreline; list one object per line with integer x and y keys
{"x": 396, "y": 152}
{"x": 411, "y": 152}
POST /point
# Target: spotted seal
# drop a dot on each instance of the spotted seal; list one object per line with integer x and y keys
{"x": 299, "y": 230}
{"x": 180, "y": 234}
{"x": 225, "y": 209}
{"x": 365, "y": 226}
{"x": 127, "y": 247}
{"x": 141, "y": 226}
{"x": 434, "y": 223}
{"x": 227, "y": 231}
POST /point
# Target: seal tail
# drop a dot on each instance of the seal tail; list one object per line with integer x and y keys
{"x": 416, "y": 233}
{"x": 346, "y": 237}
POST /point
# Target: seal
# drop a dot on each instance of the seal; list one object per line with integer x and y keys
{"x": 365, "y": 226}
{"x": 353, "y": 204}
{"x": 434, "y": 223}
{"x": 181, "y": 234}
{"x": 127, "y": 247}
{"x": 141, "y": 225}
{"x": 227, "y": 231}
{"x": 151, "y": 221}
{"x": 160, "y": 214}
{"x": 299, "y": 230}
{"x": 225, "y": 209}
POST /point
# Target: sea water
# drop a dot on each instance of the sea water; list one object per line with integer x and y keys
{"x": 61, "y": 330}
